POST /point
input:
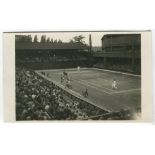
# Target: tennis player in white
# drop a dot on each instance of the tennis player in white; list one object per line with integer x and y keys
{"x": 114, "y": 84}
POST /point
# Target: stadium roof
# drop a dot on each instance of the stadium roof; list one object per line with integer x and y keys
{"x": 118, "y": 35}
{"x": 49, "y": 46}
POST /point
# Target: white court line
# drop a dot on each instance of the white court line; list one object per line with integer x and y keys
{"x": 85, "y": 68}
{"x": 67, "y": 69}
{"x": 126, "y": 91}
{"x": 86, "y": 84}
{"x": 76, "y": 72}
{"x": 110, "y": 93}
{"x": 55, "y": 70}
{"x": 94, "y": 84}
{"x": 118, "y": 72}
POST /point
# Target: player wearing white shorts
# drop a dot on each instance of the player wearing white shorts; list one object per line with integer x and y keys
{"x": 114, "y": 84}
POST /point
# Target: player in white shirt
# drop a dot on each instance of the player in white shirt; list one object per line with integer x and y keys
{"x": 78, "y": 68}
{"x": 114, "y": 84}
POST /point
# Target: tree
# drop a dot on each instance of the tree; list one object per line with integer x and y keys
{"x": 35, "y": 39}
{"x": 29, "y": 38}
{"x": 19, "y": 38}
{"x": 51, "y": 40}
{"x": 48, "y": 40}
{"x": 59, "y": 41}
{"x": 71, "y": 41}
{"x": 79, "y": 39}
{"x": 23, "y": 38}
{"x": 43, "y": 39}
{"x": 55, "y": 41}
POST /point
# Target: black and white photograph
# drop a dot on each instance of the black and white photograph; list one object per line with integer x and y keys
{"x": 78, "y": 76}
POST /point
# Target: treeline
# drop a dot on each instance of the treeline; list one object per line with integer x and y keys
{"x": 45, "y": 39}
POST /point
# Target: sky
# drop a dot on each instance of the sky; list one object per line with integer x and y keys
{"x": 67, "y": 36}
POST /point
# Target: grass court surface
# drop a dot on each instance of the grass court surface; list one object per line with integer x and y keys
{"x": 98, "y": 82}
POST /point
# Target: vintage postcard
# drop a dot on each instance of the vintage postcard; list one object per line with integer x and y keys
{"x": 77, "y": 76}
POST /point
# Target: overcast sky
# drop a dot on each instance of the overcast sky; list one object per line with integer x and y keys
{"x": 67, "y": 36}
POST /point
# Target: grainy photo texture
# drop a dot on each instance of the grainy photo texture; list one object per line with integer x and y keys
{"x": 78, "y": 76}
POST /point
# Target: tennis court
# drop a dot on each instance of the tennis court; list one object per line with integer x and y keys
{"x": 98, "y": 83}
